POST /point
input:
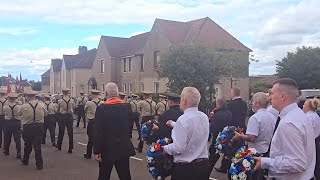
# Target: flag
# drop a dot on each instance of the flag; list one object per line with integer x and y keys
{"x": 17, "y": 85}
{"x": 8, "y": 84}
{"x": 21, "y": 84}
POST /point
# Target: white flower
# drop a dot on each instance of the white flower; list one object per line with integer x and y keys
{"x": 220, "y": 146}
{"x": 159, "y": 178}
{"x": 225, "y": 128}
{"x": 152, "y": 149}
{"x": 151, "y": 168}
{"x": 242, "y": 176}
{"x": 253, "y": 150}
{"x": 246, "y": 163}
{"x": 234, "y": 177}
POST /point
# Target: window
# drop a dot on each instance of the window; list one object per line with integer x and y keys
{"x": 102, "y": 66}
{"x": 156, "y": 58}
{"x": 102, "y": 87}
{"x": 141, "y": 87}
{"x": 125, "y": 88}
{"x": 63, "y": 75}
{"x": 130, "y": 65}
{"x": 130, "y": 88}
{"x": 156, "y": 87}
{"x": 124, "y": 65}
{"x": 141, "y": 63}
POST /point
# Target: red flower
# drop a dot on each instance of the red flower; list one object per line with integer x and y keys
{"x": 148, "y": 123}
{"x": 157, "y": 147}
{"x": 248, "y": 151}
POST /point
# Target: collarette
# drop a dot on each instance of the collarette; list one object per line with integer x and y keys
{"x": 288, "y": 108}
{"x": 238, "y": 97}
{"x": 191, "y": 109}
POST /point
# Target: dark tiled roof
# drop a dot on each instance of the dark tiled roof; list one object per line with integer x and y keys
{"x": 201, "y": 30}
{"x": 46, "y": 74}
{"x": 119, "y": 47}
{"x": 56, "y": 63}
{"x": 267, "y": 79}
{"x": 84, "y": 60}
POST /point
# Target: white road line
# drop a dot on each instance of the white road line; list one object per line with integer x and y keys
{"x": 213, "y": 178}
{"x": 136, "y": 158}
{"x": 82, "y": 144}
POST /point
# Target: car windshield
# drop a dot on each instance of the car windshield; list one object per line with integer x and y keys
{"x": 311, "y": 93}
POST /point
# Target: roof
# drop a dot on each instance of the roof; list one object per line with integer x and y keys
{"x": 46, "y": 74}
{"x": 3, "y": 81}
{"x": 202, "y": 30}
{"x": 266, "y": 79}
{"x": 56, "y": 63}
{"x": 84, "y": 60}
{"x": 119, "y": 47}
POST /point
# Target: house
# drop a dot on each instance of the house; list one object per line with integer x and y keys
{"x": 14, "y": 84}
{"x": 131, "y": 62}
{"x": 45, "y": 81}
{"x": 264, "y": 82}
{"x": 72, "y": 71}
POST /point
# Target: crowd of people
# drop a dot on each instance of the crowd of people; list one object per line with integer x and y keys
{"x": 285, "y": 135}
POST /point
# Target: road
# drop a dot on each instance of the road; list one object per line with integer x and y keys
{"x": 59, "y": 165}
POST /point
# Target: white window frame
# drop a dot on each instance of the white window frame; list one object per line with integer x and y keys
{"x": 141, "y": 63}
{"x": 156, "y": 87}
{"x": 141, "y": 87}
{"x": 102, "y": 66}
{"x": 125, "y": 88}
{"x": 129, "y": 64}
{"x": 129, "y": 88}
{"x": 103, "y": 87}
{"x": 156, "y": 58}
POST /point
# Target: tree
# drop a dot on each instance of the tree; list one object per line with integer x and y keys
{"x": 258, "y": 87}
{"x": 36, "y": 86}
{"x": 303, "y": 66}
{"x": 192, "y": 65}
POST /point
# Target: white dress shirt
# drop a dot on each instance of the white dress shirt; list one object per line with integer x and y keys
{"x": 261, "y": 125}
{"x": 190, "y": 136}
{"x": 292, "y": 154}
{"x": 315, "y": 120}
{"x": 273, "y": 111}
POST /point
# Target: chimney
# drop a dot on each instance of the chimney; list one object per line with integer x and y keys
{"x": 82, "y": 49}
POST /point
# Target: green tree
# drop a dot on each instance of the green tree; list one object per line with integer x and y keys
{"x": 258, "y": 87}
{"x": 36, "y": 86}
{"x": 192, "y": 65}
{"x": 303, "y": 66}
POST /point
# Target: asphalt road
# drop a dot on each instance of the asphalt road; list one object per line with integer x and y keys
{"x": 59, "y": 165}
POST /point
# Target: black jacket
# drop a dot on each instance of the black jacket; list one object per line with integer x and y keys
{"x": 220, "y": 119}
{"x": 173, "y": 113}
{"x": 112, "y": 129}
{"x": 238, "y": 109}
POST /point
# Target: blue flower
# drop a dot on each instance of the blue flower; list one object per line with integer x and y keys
{"x": 239, "y": 167}
{"x": 233, "y": 170}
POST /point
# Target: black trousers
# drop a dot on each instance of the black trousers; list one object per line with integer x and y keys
{"x": 32, "y": 135}
{"x": 134, "y": 119}
{"x": 122, "y": 167}
{"x": 91, "y": 134}
{"x": 65, "y": 121}
{"x": 81, "y": 114}
{"x": 213, "y": 157}
{"x": 192, "y": 171}
{"x": 1, "y": 128}
{"x": 12, "y": 128}
{"x": 49, "y": 124}
{"x": 317, "y": 169}
{"x": 143, "y": 120}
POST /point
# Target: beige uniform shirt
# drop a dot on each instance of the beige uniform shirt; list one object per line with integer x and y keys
{"x": 12, "y": 108}
{"x": 34, "y": 114}
{"x": 50, "y": 108}
{"x": 134, "y": 106}
{"x": 66, "y": 105}
{"x": 56, "y": 105}
{"x": 147, "y": 107}
{"x": 3, "y": 102}
{"x": 161, "y": 107}
{"x": 90, "y": 108}
{"x": 82, "y": 100}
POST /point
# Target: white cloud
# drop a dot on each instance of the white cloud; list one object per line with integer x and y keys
{"x": 17, "y": 31}
{"x": 136, "y": 33}
{"x": 30, "y": 63}
{"x": 93, "y": 38}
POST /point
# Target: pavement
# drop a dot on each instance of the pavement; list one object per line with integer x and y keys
{"x": 59, "y": 165}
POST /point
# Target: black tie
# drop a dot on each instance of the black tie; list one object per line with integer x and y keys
{"x": 275, "y": 128}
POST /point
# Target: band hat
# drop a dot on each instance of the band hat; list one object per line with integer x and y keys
{"x": 173, "y": 96}
{"x": 12, "y": 95}
{"x": 134, "y": 95}
{"x": 147, "y": 92}
{"x": 31, "y": 92}
{"x": 122, "y": 94}
{"x": 162, "y": 96}
{"x": 47, "y": 96}
{"x": 65, "y": 89}
{"x": 94, "y": 91}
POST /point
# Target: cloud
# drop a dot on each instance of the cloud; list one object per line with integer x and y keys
{"x": 17, "y": 31}
{"x": 136, "y": 33}
{"x": 31, "y": 63}
{"x": 93, "y": 38}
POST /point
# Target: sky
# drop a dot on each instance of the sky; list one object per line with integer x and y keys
{"x": 34, "y": 32}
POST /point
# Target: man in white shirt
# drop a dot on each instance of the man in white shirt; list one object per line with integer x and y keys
{"x": 292, "y": 153}
{"x": 190, "y": 136}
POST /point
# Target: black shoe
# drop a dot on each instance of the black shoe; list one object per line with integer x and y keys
{"x": 25, "y": 163}
{"x": 86, "y": 156}
{"x": 84, "y": 127}
{"x": 39, "y": 167}
{"x": 220, "y": 170}
{"x": 18, "y": 156}
{"x": 53, "y": 144}
{"x": 58, "y": 147}
{"x": 70, "y": 151}
{"x": 43, "y": 142}
{"x": 138, "y": 149}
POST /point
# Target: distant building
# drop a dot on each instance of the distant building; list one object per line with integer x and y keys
{"x": 265, "y": 80}
{"x": 14, "y": 84}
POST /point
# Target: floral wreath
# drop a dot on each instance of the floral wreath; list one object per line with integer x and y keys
{"x": 159, "y": 164}
{"x": 147, "y": 132}
{"x": 243, "y": 163}
{"x": 224, "y": 143}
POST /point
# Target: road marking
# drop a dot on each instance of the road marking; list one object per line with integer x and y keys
{"x": 82, "y": 144}
{"x": 136, "y": 158}
{"x": 213, "y": 178}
